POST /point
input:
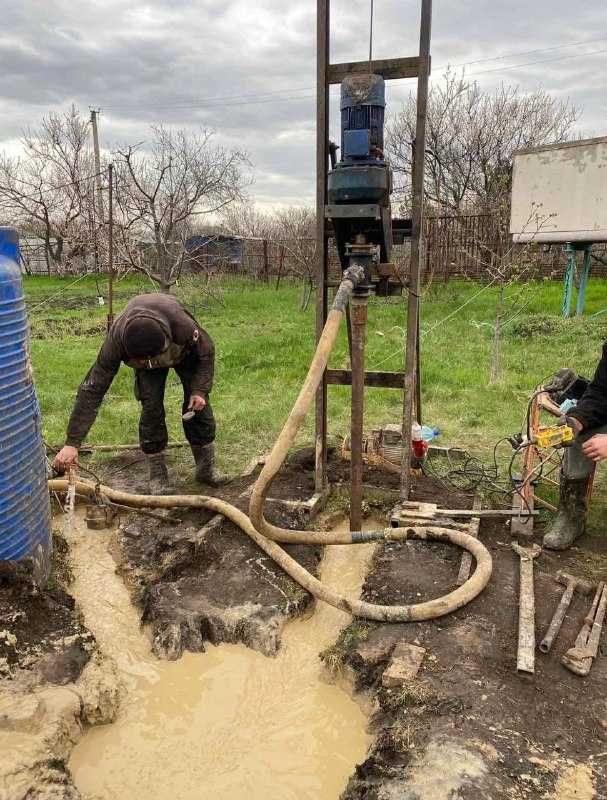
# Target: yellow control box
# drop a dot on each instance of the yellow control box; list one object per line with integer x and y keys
{"x": 553, "y": 436}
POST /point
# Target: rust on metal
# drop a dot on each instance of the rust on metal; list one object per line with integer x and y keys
{"x": 525, "y": 662}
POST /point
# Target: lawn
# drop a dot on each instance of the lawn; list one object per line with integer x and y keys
{"x": 264, "y": 343}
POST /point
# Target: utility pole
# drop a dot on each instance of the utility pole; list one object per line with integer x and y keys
{"x": 94, "y": 125}
{"x": 110, "y": 259}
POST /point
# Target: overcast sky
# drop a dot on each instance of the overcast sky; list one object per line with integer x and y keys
{"x": 246, "y": 68}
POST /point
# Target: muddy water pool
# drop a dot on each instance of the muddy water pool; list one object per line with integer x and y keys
{"x": 229, "y": 723}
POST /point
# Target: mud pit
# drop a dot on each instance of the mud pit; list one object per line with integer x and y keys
{"x": 230, "y": 723}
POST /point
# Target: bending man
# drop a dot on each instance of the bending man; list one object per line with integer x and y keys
{"x": 153, "y": 334}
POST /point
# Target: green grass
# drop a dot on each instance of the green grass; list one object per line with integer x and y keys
{"x": 264, "y": 344}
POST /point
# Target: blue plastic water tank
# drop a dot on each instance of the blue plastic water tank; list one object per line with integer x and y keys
{"x": 25, "y": 514}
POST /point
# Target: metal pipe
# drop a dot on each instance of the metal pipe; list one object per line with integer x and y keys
{"x": 358, "y": 306}
{"x": 525, "y": 661}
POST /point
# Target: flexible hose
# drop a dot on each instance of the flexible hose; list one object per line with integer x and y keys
{"x": 430, "y": 609}
{"x": 266, "y": 536}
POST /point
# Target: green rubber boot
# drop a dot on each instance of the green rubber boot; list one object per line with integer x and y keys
{"x": 158, "y": 474}
{"x": 570, "y": 521}
{"x": 206, "y": 471}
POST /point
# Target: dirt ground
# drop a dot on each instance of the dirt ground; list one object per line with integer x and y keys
{"x": 467, "y": 727}
{"x": 470, "y": 726}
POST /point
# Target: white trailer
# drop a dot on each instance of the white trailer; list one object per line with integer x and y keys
{"x": 559, "y": 196}
{"x": 559, "y": 193}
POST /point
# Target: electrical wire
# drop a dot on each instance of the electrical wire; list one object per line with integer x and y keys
{"x": 256, "y": 98}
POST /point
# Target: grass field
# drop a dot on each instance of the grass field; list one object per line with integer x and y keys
{"x": 264, "y": 343}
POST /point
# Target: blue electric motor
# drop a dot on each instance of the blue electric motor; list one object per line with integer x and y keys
{"x": 25, "y": 514}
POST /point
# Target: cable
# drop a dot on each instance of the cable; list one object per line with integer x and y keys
{"x": 58, "y": 294}
{"x": 252, "y": 99}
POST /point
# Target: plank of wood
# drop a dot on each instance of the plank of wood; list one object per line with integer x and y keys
{"x": 383, "y": 380}
{"x": 473, "y": 529}
{"x": 388, "y": 68}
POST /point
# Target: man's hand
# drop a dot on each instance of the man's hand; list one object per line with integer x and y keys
{"x": 596, "y": 447}
{"x": 197, "y": 403}
{"x": 67, "y": 457}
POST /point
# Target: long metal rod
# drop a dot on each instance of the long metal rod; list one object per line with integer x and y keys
{"x": 411, "y": 355}
{"x": 371, "y": 39}
{"x": 110, "y": 258}
{"x": 359, "y": 324}
{"x": 322, "y": 156}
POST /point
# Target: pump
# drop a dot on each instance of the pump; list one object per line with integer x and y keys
{"x": 359, "y": 186}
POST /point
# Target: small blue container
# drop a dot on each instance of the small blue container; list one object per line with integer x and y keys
{"x": 25, "y": 513}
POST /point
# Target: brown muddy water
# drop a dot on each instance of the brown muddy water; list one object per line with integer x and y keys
{"x": 227, "y": 724}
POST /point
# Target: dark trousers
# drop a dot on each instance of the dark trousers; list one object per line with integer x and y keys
{"x": 150, "y": 386}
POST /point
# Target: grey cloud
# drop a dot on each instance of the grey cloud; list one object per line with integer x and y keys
{"x": 135, "y": 59}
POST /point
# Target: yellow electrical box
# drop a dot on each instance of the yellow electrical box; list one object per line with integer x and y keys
{"x": 553, "y": 436}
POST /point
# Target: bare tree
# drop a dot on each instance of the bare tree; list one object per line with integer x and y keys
{"x": 47, "y": 191}
{"x": 296, "y": 232}
{"x": 162, "y": 189}
{"x": 471, "y": 136}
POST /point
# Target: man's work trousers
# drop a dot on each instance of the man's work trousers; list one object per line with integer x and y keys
{"x": 150, "y": 386}
{"x": 576, "y": 465}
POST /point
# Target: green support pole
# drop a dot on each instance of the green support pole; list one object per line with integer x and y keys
{"x": 581, "y": 295}
{"x": 568, "y": 285}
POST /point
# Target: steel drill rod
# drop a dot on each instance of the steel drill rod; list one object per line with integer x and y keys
{"x": 359, "y": 321}
{"x": 557, "y": 619}
{"x": 579, "y": 658}
{"x": 526, "y": 621}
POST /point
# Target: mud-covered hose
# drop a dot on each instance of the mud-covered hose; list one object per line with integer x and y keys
{"x": 430, "y": 609}
{"x": 274, "y": 461}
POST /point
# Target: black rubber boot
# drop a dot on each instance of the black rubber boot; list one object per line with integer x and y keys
{"x": 158, "y": 475}
{"x": 570, "y": 521}
{"x": 206, "y": 471}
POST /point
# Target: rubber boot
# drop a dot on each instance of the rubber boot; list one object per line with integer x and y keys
{"x": 570, "y": 521}
{"x": 158, "y": 475}
{"x": 206, "y": 471}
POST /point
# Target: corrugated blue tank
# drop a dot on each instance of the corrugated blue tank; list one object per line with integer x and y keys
{"x": 25, "y": 514}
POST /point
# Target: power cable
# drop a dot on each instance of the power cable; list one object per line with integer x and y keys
{"x": 251, "y": 99}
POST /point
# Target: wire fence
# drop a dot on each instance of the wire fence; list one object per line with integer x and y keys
{"x": 455, "y": 247}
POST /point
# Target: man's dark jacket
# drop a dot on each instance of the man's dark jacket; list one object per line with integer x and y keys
{"x": 591, "y": 410}
{"x": 184, "y": 337}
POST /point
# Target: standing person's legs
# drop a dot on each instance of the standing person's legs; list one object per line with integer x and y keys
{"x": 570, "y": 521}
{"x": 153, "y": 435}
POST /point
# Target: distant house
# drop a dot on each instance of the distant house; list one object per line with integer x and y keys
{"x": 214, "y": 250}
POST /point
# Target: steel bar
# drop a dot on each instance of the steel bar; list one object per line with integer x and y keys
{"x": 525, "y": 661}
{"x": 557, "y": 619}
{"x": 416, "y": 244}
{"x": 358, "y": 306}
{"x": 110, "y": 257}
{"x": 578, "y": 659}
{"x": 382, "y": 380}
{"x": 322, "y": 158}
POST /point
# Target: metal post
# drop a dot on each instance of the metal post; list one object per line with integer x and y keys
{"x": 110, "y": 260}
{"x": 568, "y": 283}
{"x": 584, "y": 277}
{"x": 359, "y": 324}
{"x": 322, "y": 155}
{"x": 411, "y": 356}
